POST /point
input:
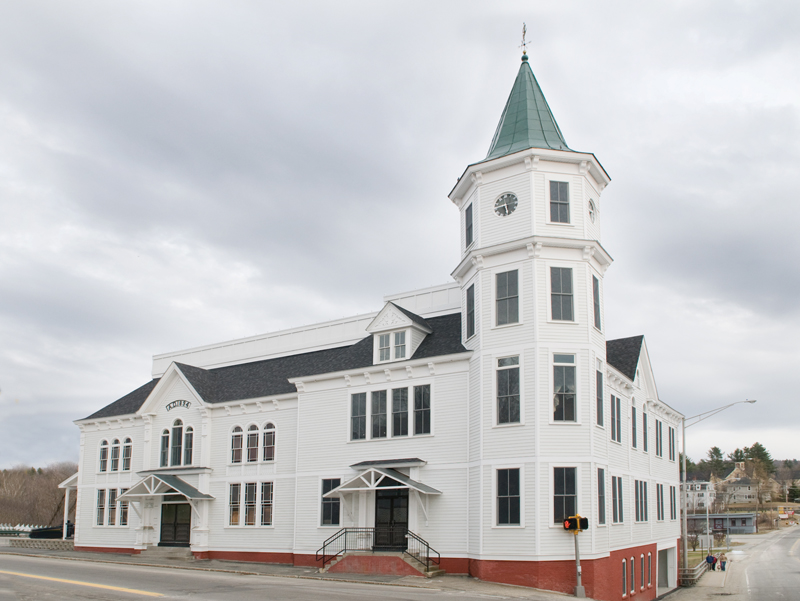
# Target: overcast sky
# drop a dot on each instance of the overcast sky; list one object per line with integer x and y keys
{"x": 174, "y": 174}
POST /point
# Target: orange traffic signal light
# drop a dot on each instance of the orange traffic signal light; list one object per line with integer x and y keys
{"x": 576, "y": 522}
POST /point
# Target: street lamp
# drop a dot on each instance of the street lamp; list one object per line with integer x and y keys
{"x": 701, "y": 416}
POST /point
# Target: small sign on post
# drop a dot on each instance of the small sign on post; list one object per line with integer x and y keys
{"x": 576, "y": 524}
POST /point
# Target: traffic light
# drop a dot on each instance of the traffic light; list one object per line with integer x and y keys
{"x": 576, "y": 522}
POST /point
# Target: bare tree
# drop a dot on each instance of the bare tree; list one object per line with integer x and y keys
{"x": 31, "y": 496}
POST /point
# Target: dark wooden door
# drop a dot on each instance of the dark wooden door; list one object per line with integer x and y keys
{"x": 176, "y": 525}
{"x": 391, "y": 519}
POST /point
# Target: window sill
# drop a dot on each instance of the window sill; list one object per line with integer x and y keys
{"x": 272, "y": 527}
{"x": 508, "y": 526}
{"x": 563, "y": 321}
{"x": 560, "y": 223}
{"x": 507, "y": 325}
{"x": 404, "y": 437}
{"x": 564, "y": 422}
{"x": 509, "y": 425}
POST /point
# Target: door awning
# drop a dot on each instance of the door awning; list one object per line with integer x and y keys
{"x": 383, "y": 478}
{"x": 159, "y": 485}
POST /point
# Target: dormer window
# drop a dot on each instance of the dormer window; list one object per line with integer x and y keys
{"x": 383, "y": 347}
{"x": 396, "y": 334}
{"x": 399, "y": 345}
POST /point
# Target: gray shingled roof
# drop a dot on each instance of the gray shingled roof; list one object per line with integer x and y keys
{"x": 414, "y": 317}
{"x": 623, "y": 354}
{"x": 271, "y": 376}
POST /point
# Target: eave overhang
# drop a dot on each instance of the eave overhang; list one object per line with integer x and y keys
{"x": 532, "y": 244}
{"x": 593, "y": 166}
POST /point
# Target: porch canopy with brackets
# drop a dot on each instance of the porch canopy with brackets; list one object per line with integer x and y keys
{"x": 377, "y": 476}
{"x": 161, "y": 485}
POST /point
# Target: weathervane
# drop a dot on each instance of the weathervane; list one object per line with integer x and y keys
{"x": 524, "y": 44}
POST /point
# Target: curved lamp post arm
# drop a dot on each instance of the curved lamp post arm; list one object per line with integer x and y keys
{"x": 699, "y": 417}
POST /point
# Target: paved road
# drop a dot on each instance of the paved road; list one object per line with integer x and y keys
{"x": 49, "y": 579}
{"x": 764, "y": 570}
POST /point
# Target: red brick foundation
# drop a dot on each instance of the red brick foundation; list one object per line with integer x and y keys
{"x": 388, "y": 565}
{"x": 124, "y": 550}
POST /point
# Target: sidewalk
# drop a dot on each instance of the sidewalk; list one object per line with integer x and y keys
{"x": 447, "y": 582}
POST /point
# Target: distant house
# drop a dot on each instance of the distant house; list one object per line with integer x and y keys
{"x": 700, "y": 495}
{"x": 732, "y": 523}
{"x": 741, "y": 487}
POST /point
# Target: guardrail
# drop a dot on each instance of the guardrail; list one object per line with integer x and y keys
{"x": 18, "y": 530}
{"x": 690, "y": 576}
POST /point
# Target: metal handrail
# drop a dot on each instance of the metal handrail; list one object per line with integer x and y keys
{"x": 418, "y": 548}
{"x": 363, "y": 539}
{"x": 690, "y": 576}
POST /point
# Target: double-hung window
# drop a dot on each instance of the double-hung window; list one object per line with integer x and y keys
{"x": 507, "y": 286}
{"x": 508, "y": 405}
{"x": 644, "y": 430}
{"x": 399, "y": 345}
{"x": 400, "y": 412}
{"x": 384, "y": 350}
{"x": 471, "y": 311}
{"x": 250, "y": 504}
{"x": 601, "y": 496}
{"x": 508, "y": 497}
{"x": 616, "y": 419}
{"x": 564, "y": 388}
{"x": 659, "y": 438}
{"x": 616, "y": 500}
{"x": 246, "y": 507}
{"x": 468, "y": 226}
{"x": 237, "y": 438}
{"x": 673, "y": 504}
{"x": 561, "y": 294}
{"x": 599, "y": 392}
{"x": 101, "y": 507}
{"x": 422, "y": 409}
{"x": 104, "y": 456}
{"x": 671, "y": 443}
{"x": 379, "y": 414}
{"x": 659, "y": 502}
{"x": 640, "y": 493}
{"x": 234, "y": 496}
{"x": 266, "y": 503}
{"x": 330, "y": 506}
{"x": 596, "y": 299}
{"x": 358, "y": 416}
{"x": 252, "y": 444}
{"x": 559, "y": 202}
{"x": 565, "y": 493}
{"x": 634, "y": 437}
{"x": 177, "y": 443}
{"x": 127, "y": 451}
{"x": 115, "y": 455}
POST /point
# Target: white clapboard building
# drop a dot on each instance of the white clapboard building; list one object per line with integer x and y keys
{"x": 454, "y": 428}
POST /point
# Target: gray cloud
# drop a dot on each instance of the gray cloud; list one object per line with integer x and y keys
{"x": 174, "y": 175}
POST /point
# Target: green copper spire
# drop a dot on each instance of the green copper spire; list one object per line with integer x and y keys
{"x": 527, "y": 121}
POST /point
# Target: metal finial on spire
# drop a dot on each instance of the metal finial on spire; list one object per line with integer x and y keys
{"x": 524, "y": 44}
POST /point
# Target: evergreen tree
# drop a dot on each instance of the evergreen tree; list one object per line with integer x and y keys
{"x": 737, "y": 455}
{"x": 716, "y": 462}
{"x": 758, "y": 454}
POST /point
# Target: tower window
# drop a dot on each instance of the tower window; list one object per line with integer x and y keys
{"x": 561, "y": 293}
{"x": 508, "y": 411}
{"x": 564, "y": 388}
{"x": 507, "y": 297}
{"x": 596, "y": 299}
{"x": 468, "y": 225}
{"x": 565, "y": 494}
{"x": 559, "y": 202}
{"x": 471, "y": 311}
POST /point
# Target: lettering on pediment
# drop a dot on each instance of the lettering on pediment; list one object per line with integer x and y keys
{"x": 174, "y": 404}
{"x": 390, "y": 319}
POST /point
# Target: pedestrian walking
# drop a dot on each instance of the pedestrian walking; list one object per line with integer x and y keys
{"x": 710, "y": 561}
{"x": 723, "y": 559}
{"x": 714, "y": 563}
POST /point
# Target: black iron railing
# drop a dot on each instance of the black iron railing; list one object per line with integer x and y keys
{"x": 419, "y": 549}
{"x": 378, "y": 539}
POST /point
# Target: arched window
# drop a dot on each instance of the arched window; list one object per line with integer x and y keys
{"x": 633, "y": 576}
{"x": 188, "y": 443}
{"x": 236, "y": 445}
{"x": 177, "y": 442}
{"x": 252, "y": 443}
{"x": 624, "y": 579}
{"x": 165, "y": 448}
{"x": 127, "y": 449}
{"x": 649, "y": 569}
{"x": 115, "y": 455}
{"x": 104, "y": 456}
{"x": 268, "y": 446}
{"x": 641, "y": 571}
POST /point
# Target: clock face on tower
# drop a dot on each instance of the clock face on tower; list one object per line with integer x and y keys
{"x": 506, "y": 204}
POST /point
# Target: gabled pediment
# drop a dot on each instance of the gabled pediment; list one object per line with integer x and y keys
{"x": 159, "y": 399}
{"x": 393, "y": 317}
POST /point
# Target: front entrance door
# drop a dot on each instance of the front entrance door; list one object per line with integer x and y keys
{"x": 176, "y": 525}
{"x": 391, "y": 519}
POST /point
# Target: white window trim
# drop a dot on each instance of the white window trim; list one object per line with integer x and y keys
{"x": 472, "y": 283}
{"x": 242, "y": 481}
{"x": 552, "y": 385}
{"x": 598, "y": 466}
{"x": 495, "y": 517}
{"x": 599, "y": 368}
{"x": 495, "y": 417}
{"x": 593, "y": 275}
{"x": 620, "y": 502}
{"x": 376, "y": 353}
{"x": 566, "y": 180}
{"x": 388, "y": 387}
{"x": 519, "y": 268}
{"x": 563, "y": 265}
{"x": 552, "y": 490}
{"x": 320, "y": 525}
{"x": 469, "y": 203}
